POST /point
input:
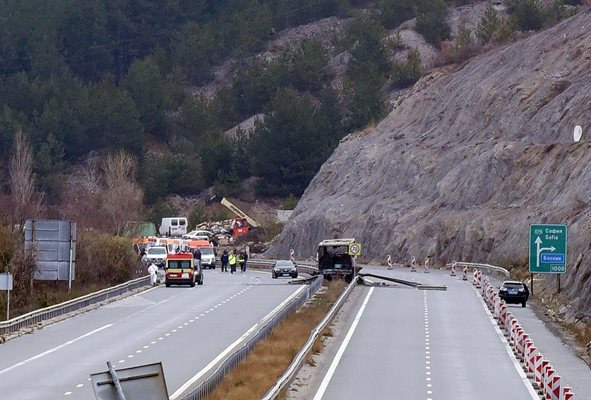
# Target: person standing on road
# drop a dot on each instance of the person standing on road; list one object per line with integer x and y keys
{"x": 197, "y": 254}
{"x": 241, "y": 261}
{"x": 232, "y": 259}
{"x": 224, "y": 260}
{"x": 153, "y": 271}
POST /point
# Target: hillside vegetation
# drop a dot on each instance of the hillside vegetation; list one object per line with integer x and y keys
{"x": 99, "y": 124}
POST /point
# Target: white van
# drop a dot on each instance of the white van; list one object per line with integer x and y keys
{"x": 175, "y": 226}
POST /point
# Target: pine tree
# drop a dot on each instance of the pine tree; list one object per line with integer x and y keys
{"x": 488, "y": 24}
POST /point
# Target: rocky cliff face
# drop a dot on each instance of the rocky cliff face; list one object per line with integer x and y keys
{"x": 466, "y": 162}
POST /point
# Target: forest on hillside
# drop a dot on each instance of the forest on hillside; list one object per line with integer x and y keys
{"x": 98, "y": 76}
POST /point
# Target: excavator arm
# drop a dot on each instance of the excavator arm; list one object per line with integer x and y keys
{"x": 234, "y": 209}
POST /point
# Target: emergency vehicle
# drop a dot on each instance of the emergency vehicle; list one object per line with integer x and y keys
{"x": 181, "y": 269}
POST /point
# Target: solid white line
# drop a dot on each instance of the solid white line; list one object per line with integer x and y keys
{"x": 337, "y": 359}
{"x": 61, "y": 346}
{"x": 516, "y": 363}
{"x": 230, "y": 348}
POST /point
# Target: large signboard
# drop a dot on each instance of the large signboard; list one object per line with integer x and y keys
{"x": 54, "y": 244}
{"x": 547, "y": 249}
{"x": 144, "y": 382}
{"x": 5, "y": 281}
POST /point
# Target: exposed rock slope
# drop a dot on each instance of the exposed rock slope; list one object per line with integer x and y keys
{"x": 467, "y": 161}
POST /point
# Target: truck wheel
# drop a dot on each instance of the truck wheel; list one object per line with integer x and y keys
{"x": 167, "y": 284}
{"x": 294, "y": 275}
{"x": 273, "y": 275}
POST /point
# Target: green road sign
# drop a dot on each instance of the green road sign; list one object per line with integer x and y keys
{"x": 547, "y": 249}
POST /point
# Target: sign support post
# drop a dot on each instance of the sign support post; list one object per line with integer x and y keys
{"x": 8, "y": 305}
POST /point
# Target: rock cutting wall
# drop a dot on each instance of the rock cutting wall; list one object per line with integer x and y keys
{"x": 466, "y": 162}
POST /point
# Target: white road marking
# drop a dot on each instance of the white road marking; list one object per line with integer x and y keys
{"x": 138, "y": 351}
{"x": 516, "y": 364}
{"x": 121, "y": 361}
{"x": 130, "y": 356}
{"x": 230, "y": 348}
{"x": 153, "y": 342}
{"x": 337, "y": 359}
{"x": 67, "y": 393}
{"x": 61, "y": 346}
{"x": 145, "y": 347}
{"x": 79, "y": 385}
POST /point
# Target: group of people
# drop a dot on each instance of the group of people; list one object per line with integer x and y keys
{"x": 233, "y": 259}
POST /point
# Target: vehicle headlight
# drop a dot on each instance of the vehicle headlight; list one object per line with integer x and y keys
{"x": 503, "y": 289}
{"x": 522, "y": 290}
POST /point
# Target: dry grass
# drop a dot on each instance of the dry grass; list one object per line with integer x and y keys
{"x": 271, "y": 357}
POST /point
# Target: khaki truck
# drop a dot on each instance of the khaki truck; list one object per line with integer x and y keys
{"x": 336, "y": 258}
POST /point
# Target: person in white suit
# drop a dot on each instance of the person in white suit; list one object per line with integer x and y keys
{"x": 153, "y": 271}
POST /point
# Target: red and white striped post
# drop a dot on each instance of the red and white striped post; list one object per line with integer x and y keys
{"x": 389, "y": 261}
{"x": 413, "y": 264}
{"x": 292, "y": 255}
{"x": 568, "y": 393}
{"x": 538, "y": 358}
{"x": 426, "y": 265}
{"x": 453, "y": 268}
{"x": 465, "y": 273}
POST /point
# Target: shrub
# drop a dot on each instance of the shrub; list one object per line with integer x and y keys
{"x": 290, "y": 202}
{"x": 407, "y": 73}
{"x": 105, "y": 258}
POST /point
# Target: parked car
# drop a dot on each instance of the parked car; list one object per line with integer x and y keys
{"x": 514, "y": 292}
{"x": 284, "y": 267}
{"x": 156, "y": 255}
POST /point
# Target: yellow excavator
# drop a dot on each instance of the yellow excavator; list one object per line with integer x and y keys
{"x": 242, "y": 223}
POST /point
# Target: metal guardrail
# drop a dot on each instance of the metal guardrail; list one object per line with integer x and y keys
{"x": 306, "y": 267}
{"x": 299, "y": 359}
{"x": 489, "y": 268}
{"x": 206, "y": 386}
{"x": 43, "y": 314}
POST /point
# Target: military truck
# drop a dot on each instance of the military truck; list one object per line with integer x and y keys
{"x": 336, "y": 258}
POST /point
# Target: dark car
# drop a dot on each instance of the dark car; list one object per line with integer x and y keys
{"x": 284, "y": 268}
{"x": 514, "y": 292}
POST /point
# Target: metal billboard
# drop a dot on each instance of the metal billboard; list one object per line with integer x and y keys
{"x": 144, "y": 382}
{"x": 54, "y": 244}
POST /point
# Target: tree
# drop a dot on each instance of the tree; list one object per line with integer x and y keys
{"x": 309, "y": 67}
{"x": 526, "y": 15}
{"x": 432, "y": 20}
{"x": 289, "y": 145}
{"x": 122, "y": 196}
{"x": 26, "y": 202}
{"x": 146, "y": 87}
{"x": 488, "y": 24}
{"x": 395, "y": 12}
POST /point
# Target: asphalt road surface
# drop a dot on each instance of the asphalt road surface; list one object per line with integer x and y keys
{"x": 184, "y": 328}
{"x": 405, "y": 343}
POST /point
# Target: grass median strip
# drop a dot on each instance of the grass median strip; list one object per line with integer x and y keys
{"x": 252, "y": 378}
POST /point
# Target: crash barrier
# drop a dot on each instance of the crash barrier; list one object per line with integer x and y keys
{"x": 414, "y": 284}
{"x": 305, "y": 267}
{"x": 490, "y": 269}
{"x": 43, "y": 314}
{"x": 299, "y": 359}
{"x": 542, "y": 375}
{"x": 206, "y": 386}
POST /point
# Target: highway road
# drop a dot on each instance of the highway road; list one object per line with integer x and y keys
{"x": 184, "y": 328}
{"x": 400, "y": 342}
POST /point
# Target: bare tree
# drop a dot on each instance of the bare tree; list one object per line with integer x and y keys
{"x": 26, "y": 201}
{"x": 122, "y": 196}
